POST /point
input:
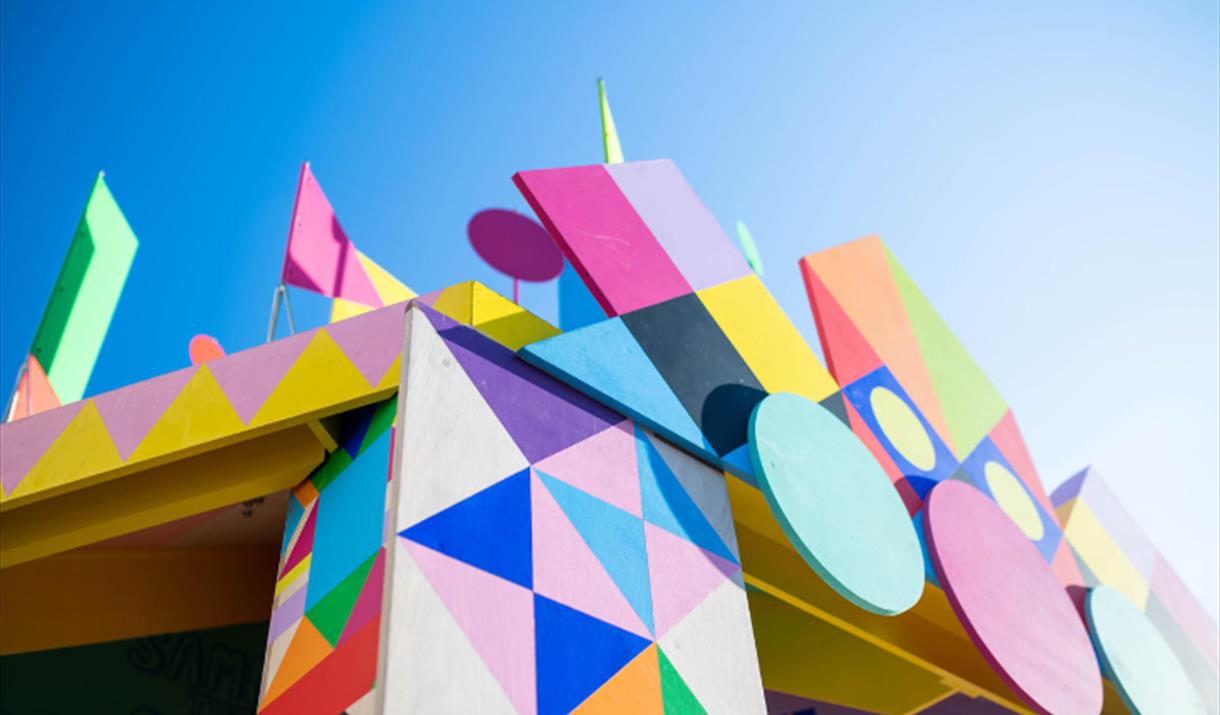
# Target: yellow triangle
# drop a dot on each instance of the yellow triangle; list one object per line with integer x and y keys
{"x": 455, "y": 301}
{"x": 322, "y": 376}
{"x": 389, "y": 289}
{"x": 341, "y": 309}
{"x": 392, "y": 374}
{"x": 199, "y": 414}
{"x": 84, "y": 447}
{"x": 506, "y": 322}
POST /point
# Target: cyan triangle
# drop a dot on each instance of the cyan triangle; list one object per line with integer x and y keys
{"x": 605, "y": 362}
{"x": 295, "y": 512}
{"x": 575, "y": 654}
{"x": 614, "y": 536}
{"x": 667, "y": 504}
{"x": 490, "y": 530}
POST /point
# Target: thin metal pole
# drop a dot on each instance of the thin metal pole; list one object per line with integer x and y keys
{"x": 275, "y": 313}
{"x": 516, "y": 291}
{"x": 292, "y": 328}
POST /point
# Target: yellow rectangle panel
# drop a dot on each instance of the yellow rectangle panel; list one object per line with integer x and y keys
{"x": 1102, "y": 555}
{"x": 764, "y": 337}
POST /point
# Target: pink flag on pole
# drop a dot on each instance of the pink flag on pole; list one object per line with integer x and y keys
{"x": 319, "y": 256}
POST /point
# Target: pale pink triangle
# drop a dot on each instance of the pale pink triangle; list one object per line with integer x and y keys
{"x": 566, "y": 570}
{"x": 603, "y": 465}
{"x": 23, "y": 441}
{"x": 368, "y": 603}
{"x": 130, "y": 413}
{"x": 497, "y": 617}
{"x": 319, "y": 256}
{"x": 682, "y": 576}
{"x": 249, "y": 377}
{"x": 371, "y": 340}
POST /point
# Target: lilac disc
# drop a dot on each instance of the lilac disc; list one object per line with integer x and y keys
{"x": 515, "y": 245}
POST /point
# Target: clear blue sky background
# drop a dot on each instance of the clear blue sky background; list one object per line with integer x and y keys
{"x": 1048, "y": 174}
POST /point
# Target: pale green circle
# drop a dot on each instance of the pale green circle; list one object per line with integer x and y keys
{"x": 902, "y": 428}
{"x": 836, "y": 504}
{"x": 1007, "y": 491}
{"x": 1136, "y": 658}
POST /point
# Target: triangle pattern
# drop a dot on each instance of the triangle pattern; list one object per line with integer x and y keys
{"x": 341, "y": 309}
{"x": 372, "y": 340}
{"x": 130, "y": 413}
{"x": 1006, "y": 436}
{"x": 291, "y": 522}
{"x": 489, "y": 530}
{"x": 276, "y": 649}
{"x": 248, "y": 377}
{"x": 603, "y": 465}
{"x": 303, "y": 545}
{"x": 615, "y": 537}
{"x": 85, "y": 434}
{"x": 306, "y": 650}
{"x": 667, "y": 504}
{"x": 496, "y": 616}
{"x": 565, "y": 570}
{"x": 605, "y": 361}
{"x": 368, "y": 604}
{"x": 330, "y": 614}
{"x": 389, "y": 289}
{"x": 29, "y": 438}
{"x": 678, "y": 698}
{"x": 682, "y": 575}
{"x": 576, "y": 653}
{"x": 321, "y": 376}
{"x": 200, "y": 413}
{"x": 634, "y": 689}
{"x": 848, "y": 355}
{"x": 706, "y": 487}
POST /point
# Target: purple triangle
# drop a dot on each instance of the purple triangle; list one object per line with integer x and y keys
{"x": 249, "y": 377}
{"x": 24, "y": 441}
{"x": 542, "y": 414}
{"x": 372, "y": 340}
{"x": 130, "y": 413}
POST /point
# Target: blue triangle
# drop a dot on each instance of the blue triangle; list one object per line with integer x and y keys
{"x": 295, "y": 512}
{"x": 667, "y": 504}
{"x": 614, "y": 536}
{"x": 490, "y": 530}
{"x": 605, "y": 362}
{"x": 575, "y": 653}
{"x": 356, "y": 424}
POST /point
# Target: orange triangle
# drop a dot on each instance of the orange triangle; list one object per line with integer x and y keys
{"x": 634, "y": 689}
{"x": 858, "y": 275}
{"x": 848, "y": 355}
{"x": 34, "y": 391}
{"x": 308, "y": 649}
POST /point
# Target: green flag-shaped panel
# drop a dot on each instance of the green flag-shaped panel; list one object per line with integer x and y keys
{"x": 86, "y": 293}
{"x": 614, "y": 150}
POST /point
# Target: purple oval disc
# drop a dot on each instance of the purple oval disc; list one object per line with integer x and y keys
{"x": 515, "y": 245}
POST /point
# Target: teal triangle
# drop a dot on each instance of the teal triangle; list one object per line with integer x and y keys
{"x": 605, "y": 362}
{"x": 295, "y": 512}
{"x": 667, "y": 504}
{"x": 614, "y": 536}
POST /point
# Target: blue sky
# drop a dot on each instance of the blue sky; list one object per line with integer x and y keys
{"x": 1047, "y": 173}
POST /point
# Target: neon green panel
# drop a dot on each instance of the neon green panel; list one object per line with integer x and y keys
{"x": 749, "y": 248}
{"x": 85, "y": 296}
{"x": 970, "y": 402}
{"x": 614, "y": 150}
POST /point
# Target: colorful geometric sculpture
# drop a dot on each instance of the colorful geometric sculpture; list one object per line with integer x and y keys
{"x": 914, "y": 395}
{"x": 551, "y": 556}
{"x": 694, "y": 340}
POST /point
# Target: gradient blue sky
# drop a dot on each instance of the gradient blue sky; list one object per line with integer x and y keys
{"x": 1047, "y": 173}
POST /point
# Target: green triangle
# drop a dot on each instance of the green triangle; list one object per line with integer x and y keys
{"x": 382, "y": 418}
{"x": 970, "y": 403}
{"x": 678, "y": 698}
{"x": 334, "y": 465}
{"x": 330, "y": 614}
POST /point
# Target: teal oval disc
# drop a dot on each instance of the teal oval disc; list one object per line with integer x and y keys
{"x": 836, "y": 504}
{"x": 1148, "y": 676}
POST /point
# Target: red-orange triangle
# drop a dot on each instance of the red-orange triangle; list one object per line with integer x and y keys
{"x": 308, "y": 648}
{"x": 848, "y": 355}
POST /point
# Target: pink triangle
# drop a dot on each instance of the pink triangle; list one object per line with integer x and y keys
{"x": 319, "y": 256}
{"x": 371, "y": 340}
{"x": 23, "y": 441}
{"x": 603, "y": 465}
{"x": 249, "y": 377}
{"x": 304, "y": 542}
{"x": 130, "y": 412}
{"x": 566, "y": 570}
{"x": 496, "y": 615}
{"x": 682, "y": 576}
{"x": 368, "y": 603}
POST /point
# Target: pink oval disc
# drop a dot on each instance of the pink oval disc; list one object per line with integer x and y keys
{"x": 1016, "y": 611}
{"x": 515, "y": 245}
{"x": 204, "y": 348}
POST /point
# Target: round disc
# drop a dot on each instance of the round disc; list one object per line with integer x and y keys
{"x": 515, "y": 245}
{"x": 1147, "y": 674}
{"x": 836, "y": 505}
{"x": 1007, "y": 598}
{"x": 204, "y": 348}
